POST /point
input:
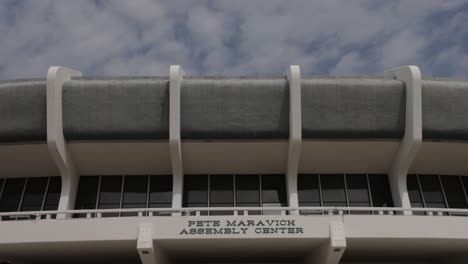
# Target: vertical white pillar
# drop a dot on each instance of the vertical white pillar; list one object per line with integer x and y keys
{"x": 412, "y": 139}
{"x": 295, "y": 133}
{"x": 145, "y": 246}
{"x": 175, "y": 80}
{"x": 331, "y": 251}
{"x": 56, "y": 76}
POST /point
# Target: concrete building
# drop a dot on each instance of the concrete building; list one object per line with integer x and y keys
{"x": 180, "y": 169}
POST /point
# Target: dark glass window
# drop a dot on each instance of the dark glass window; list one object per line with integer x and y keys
{"x": 464, "y": 180}
{"x": 273, "y": 190}
{"x": 222, "y": 190}
{"x": 380, "y": 190}
{"x": 333, "y": 189}
{"x": 195, "y": 191}
{"x": 134, "y": 192}
{"x": 131, "y": 191}
{"x": 432, "y": 191}
{"x": 221, "y": 193}
{"x": 247, "y": 191}
{"x": 453, "y": 192}
{"x": 361, "y": 190}
{"x": 87, "y": 192}
{"x": 308, "y": 190}
{"x": 1, "y": 187}
{"x": 53, "y": 194}
{"x": 161, "y": 191}
{"x": 110, "y": 192}
{"x": 34, "y": 194}
{"x": 414, "y": 192}
{"x": 358, "y": 190}
{"x": 11, "y": 195}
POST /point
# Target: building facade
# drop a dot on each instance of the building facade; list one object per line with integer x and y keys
{"x": 183, "y": 169}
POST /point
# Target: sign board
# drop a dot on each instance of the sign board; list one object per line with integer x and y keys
{"x": 241, "y": 227}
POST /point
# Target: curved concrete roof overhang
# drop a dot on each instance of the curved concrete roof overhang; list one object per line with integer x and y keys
{"x": 231, "y": 108}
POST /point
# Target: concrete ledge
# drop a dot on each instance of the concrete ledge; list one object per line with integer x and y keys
{"x": 353, "y": 108}
{"x": 223, "y": 108}
{"x": 444, "y": 110}
{"x": 235, "y": 109}
{"x": 23, "y": 110}
{"x": 116, "y": 109}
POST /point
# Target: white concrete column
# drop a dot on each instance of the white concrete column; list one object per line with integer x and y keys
{"x": 175, "y": 80}
{"x": 145, "y": 246}
{"x": 332, "y": 251}
{"x": 412, "y": 139}
{"x": 295, "y": 133}
{"x": 58, "y": 149}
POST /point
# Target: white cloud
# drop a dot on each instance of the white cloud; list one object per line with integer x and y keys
{"x": 403, "y": 48}
{"x": 351, "y": 63}
{"x": 143, "y": 37}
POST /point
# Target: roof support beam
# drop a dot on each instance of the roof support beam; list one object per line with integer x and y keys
{"x": 293, "y": 75}
{"x": 56, "y": 143}
{"x": 175, "y": 146}
{"x": 412, "y": 139}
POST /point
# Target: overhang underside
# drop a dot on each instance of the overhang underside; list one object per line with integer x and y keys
{"x": 369, "y": 239}
{"x": 347, "y": 156}
{"x": 26, "y": 160}
{"x": 274, "y": 250}
{"x": 92, "y": 252}
{"x": 239, "y": 157}
{"x": 263, "y": 250}
{"x": 228, "y": 157}
{"x": 404, "y": 249}
{"x": 444, "y": 158}
{"x": 121, "y": 157}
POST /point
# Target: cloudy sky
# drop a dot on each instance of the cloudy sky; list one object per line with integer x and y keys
{"x": 245, "y": 37}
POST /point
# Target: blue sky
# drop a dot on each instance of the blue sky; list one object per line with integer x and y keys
{"x": 245, "y": 37}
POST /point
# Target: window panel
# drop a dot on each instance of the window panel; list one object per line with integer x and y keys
{"x": 308, "y": 190}
{"x": 464, "y": 180}
{"x": 453, "y": 192}
{"x": 432, "y": 192}
{"x": 135, "y": 191}
{"x": 195, "y": 190}
{"x": 273, "y": 190}
{"x": 380, "y": 190}
{"x": 110, "y": 193}
{"x": 87, "y": 192}
{"x": 161, "y": 191}
{"x": 358, "y": 190}
{"x": 221, "y": 190}
{"x": 247, "y": 190}
{"x": 1, "y": 187}
{"x": 34, "y": 194}
{"x": 333, "y": 189}
{"x": 53, "y": 194}
{"x": 11, "y": 195}
{"x": 414, "y": 192}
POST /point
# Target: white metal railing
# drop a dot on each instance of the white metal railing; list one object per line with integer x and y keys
{"x": 233, "y": 211}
